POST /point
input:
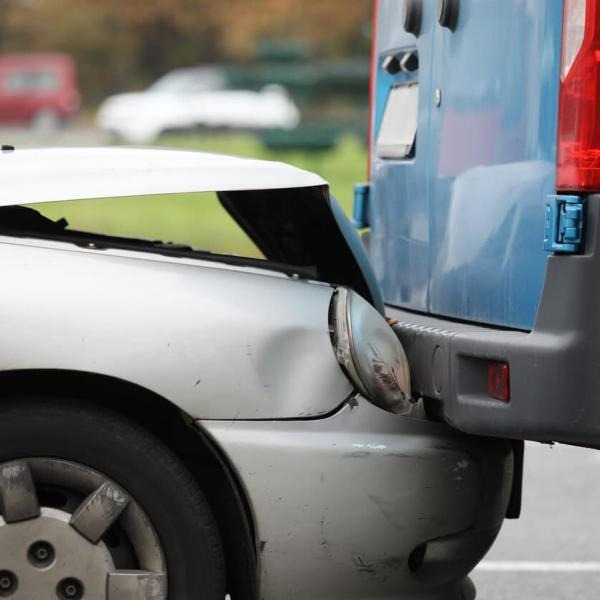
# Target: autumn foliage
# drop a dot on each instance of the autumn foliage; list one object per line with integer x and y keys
{"x": 120, "y": 44}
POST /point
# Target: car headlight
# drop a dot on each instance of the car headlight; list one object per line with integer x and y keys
{"x": 370, "y": 352}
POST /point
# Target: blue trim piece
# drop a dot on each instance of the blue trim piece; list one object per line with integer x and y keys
{"x": 360, "y": 208}
{"x": 358, "y": 250}
{"x": 563, "y": 230}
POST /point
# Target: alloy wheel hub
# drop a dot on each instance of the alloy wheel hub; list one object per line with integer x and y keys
{"x": 47, "y": 552}
{"x": 78, "y": 565}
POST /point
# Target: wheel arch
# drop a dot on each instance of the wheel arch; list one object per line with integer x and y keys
{"x": 202, "y": 457}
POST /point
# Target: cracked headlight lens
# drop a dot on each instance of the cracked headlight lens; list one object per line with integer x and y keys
{"x": 369, "y": 352}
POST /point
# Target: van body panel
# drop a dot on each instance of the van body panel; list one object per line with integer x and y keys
{"x": 458, "y": 229}
{"x": 399, "y": 242}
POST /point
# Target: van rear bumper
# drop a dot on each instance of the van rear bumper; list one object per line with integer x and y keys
{"x": 554, "y": 369}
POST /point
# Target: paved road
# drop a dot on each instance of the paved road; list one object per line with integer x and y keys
{"x": 553, "y": 551}
{"x": 70, "y": 136}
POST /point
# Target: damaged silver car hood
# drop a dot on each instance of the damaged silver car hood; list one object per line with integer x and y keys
{"x": 287, "y": 212}
{"x": 55, "y": 174}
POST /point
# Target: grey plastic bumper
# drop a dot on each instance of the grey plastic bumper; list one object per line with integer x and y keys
{"x": 554, "y": 369}
{"x": 366, "y": 505}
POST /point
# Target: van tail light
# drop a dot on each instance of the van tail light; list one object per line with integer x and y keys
{"x": 372, "y": 84}
{"x": 578, "y": 149}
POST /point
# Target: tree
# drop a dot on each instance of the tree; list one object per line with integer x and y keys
{"x": 124, "y": 44}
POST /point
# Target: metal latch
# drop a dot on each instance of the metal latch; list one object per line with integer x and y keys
{"x": 360, "y": 210}
{"x": 563, "y": 230}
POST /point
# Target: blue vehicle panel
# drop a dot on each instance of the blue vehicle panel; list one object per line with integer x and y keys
{"x": 399, "y": 240}
{"x": 458, "y": 229}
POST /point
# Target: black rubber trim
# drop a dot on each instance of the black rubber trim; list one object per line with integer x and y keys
{"x": 94, "y": 241}
{"x": 515, "y": 501}
{"x": 413, "y": 16}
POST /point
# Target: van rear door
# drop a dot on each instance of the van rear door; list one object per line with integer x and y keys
{"x": 458, "y": 227}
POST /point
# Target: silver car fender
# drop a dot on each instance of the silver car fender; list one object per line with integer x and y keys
{"x": 219, "y": 342}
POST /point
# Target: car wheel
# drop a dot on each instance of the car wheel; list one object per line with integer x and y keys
{"x": 95, "y": 507}
{"x": 45, "y": 121}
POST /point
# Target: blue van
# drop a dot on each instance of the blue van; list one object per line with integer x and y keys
{"x": 482, "y": 208}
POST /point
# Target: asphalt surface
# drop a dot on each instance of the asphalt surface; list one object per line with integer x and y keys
{"x": 553, "y": 551}
{"x": 73, "y": 136}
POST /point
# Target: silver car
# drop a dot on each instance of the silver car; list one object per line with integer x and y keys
{"x": 181, "y": 424}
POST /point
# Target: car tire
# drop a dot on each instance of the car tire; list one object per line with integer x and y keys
{"x": 67, "y": 448}
{"x": 467, "y": 589}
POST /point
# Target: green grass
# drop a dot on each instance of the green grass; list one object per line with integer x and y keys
{"x": 198, "y": 219}
{"x": 342, "y": 166}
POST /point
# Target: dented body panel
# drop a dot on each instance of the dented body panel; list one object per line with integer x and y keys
{"x": 219, "y": 342}
{"x": 341, "y": 503}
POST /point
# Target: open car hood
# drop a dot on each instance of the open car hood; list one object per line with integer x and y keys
{"x": 287, "y": 212}
{"x": 306, "y": 227}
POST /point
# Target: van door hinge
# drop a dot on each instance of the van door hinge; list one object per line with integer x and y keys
{"x": 360, "y": 210}
{"x": 563, "y": 230}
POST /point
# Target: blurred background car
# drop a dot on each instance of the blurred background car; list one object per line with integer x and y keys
{"x": 193, "y": 97}
{"x": 38, "y": 90}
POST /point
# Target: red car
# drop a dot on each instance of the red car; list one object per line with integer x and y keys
{"x": 39, "y": 90}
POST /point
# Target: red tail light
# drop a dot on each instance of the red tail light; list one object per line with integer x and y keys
{"x": 372, "y": 84}
{"x": 578, "y": 150}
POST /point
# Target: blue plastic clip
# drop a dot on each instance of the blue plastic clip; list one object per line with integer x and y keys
{"x": 563, "y": 229}
{"x": 360, "y": 210}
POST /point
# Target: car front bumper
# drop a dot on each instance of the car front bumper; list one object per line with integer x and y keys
{"x": 365, "y": 504}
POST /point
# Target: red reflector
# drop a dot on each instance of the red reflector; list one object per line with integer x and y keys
{"x": 499, "y": 381}
{"x": 578, "y": 149}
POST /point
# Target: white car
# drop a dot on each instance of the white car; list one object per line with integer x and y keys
{"x": 192, "y": 97}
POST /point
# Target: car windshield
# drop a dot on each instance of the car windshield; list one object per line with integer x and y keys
{"x": 189, "y": 80}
